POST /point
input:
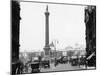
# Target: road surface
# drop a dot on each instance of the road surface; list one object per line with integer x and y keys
{"x": 61, "y": 67}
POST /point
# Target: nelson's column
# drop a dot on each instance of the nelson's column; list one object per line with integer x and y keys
{"x": 47, "y": 47}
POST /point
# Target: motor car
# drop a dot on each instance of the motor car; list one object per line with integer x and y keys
{"x": 45, "y": 63}
{"x": 35, "y": 65}
{"x": 74, "y": 61}
{"x": 58, "y": 60}
{"x": 64, "y": 59}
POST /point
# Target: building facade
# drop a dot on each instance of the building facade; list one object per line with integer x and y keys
{"x": 15, "y": 26}
{"x": 90, "y": 22}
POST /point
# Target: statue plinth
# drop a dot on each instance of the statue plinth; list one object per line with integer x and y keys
{"x": 47, "y": 51}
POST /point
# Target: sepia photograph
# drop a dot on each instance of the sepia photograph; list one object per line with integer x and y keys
{"x": 52, "y": 37}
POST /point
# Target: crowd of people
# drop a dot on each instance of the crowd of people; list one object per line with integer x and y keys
{"x": 34, "y": 66}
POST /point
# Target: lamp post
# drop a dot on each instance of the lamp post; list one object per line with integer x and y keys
{"x": 55, "y": 43}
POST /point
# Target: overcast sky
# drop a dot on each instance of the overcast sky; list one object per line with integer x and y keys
{"x": 66, "y": 24}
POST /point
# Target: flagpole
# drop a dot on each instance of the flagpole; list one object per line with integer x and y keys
{"x": 55, "y": 41}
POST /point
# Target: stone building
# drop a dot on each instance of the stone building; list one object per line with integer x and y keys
{"x": 90, "y": 22}
{"x": 15, "y": 24}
